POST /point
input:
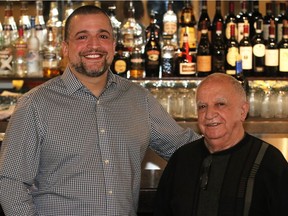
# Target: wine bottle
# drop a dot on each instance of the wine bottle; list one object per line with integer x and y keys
{"x": 219, "y": 49}
{"x": 187, "y": 21}
{"x": 152, "y": 55}
{"x": 254, "y": 16}
{"x": 186, "y": 65}
{"x": 230, "y": 19}
{"x": 241, "y": 18}
{"x": 271, "y": 53}
{"x": 283, "y": 53}
{"x": 245, "y": 49}
{"x": 217, "y": 18}
{"x": 204, "y": 53}
{"x": 232, "y": 52}
{"x": 153, "y": 27}
{"x": 258, "y": 45}
{"x": 204, "y": 17}
{"x": 279, "y": 21}
{"x": 266, "y": 21}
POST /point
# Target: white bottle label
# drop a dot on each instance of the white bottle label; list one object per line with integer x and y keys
{"x": 246, "y": 54}
{"x": 283, "y": 61}
{"x": 271, "y": 57}
{"x": 259, "y": 50}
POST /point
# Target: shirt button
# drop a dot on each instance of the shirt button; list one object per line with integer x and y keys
{"x": 110, "y": 192}
{"x": 98, "y": 101}
{"x": 102, "y": 130}
{"x": 106, "y": 162}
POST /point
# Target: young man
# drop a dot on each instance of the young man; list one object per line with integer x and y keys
{"x": 228, "y": 171}
{"x": 74, "y": 145}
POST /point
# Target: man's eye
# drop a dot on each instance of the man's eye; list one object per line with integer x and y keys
{"x": 200, "y": 107}
{"x": 81, "y": 37}
{"x": 104, "y": 36}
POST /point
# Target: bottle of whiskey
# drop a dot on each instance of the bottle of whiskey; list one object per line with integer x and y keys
{"x": 121, "y": 61}
{"x": 152, "y": 55}
{"x": 204, "y": 53}
{"x": 51, "y": 57}
{"x": 187, "y": 24}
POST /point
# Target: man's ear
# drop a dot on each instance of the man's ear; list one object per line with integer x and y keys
{"x": 64, "y": 48}
{"x": 244, "y": 111}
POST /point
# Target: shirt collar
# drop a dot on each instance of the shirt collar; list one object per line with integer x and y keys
{"x": 73, "y": 84}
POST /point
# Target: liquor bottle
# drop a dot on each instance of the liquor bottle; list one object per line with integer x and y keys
{"x": 9, "y": 23}
{"x": 258, "y": 45}
{"x": 51, "y": 56}
{"x": 6, "y": 53}
{"x": 283, "y": 53}
{"x": 245, "y": 49}
{"x": 132, "y": 32}
{"x": 187, "y": 67}
{"x": 116, "y": 24}
{"x": 187, "y": 21}
{"x": 254, "y": 16}
{"x": 241, "y": 18}
{"x": 230, "y": 19}
{"x": 168, "y": 56}
{"x": 24, "y": 20}
{"x": 40, "y": 26}
{"x": 271, "y": 53}
{"x": 153, "y": 26}
{"x": 170, "y": 21}
{"x": 152, "y": 54}
{"x": 33, "y": 59}
{"x": 279, "y": 21}
{"x": 204, "y": 17}
{"x": 219, "y": 49}
{"x": 204, "y": 53}
{"x": 232, "y": 52}
{"x": 266, "y": 20}
{"x": 217, "y": 18}
{"x": 19, "y": 56}
{"x": 68, "y": 10}
{"x": 54, "y": 23}
{"x": 137, "y": 64}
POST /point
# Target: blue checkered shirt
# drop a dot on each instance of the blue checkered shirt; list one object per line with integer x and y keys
{"x": 67, "y": 152}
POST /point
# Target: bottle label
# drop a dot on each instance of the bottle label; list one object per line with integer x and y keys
{"x": 259, "y": 50}
{"x": 33, "y": 62}
{"x": 6, "y": 59}
{"x": 246, "y": 53}
{"x": 283, "y": 61}
{"x": 231, "y": 72}
{"x": 232, "y": 56}
{"x": 21, "y": 50}
{"x": 187, "y": 68}
{"x": 271, "y": 57}
{"x": 170, "y": 28}
{"x": 153, "y": 55}
{"x": 128, "y": 40}
{"x": 279, "y": 31}
{"x": 167, "y": 65}
{"x": 120, "y": 66}
{"x": 204, "y": 63}
{"x": 240, "y": 31}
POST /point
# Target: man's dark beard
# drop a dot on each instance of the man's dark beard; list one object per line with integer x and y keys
{"x": 80, "y": 68}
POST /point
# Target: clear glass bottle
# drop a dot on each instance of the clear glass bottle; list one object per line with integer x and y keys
{"x": 24, "y": 20}
{"x": 34, "y": 62}
{"x": 170, "y": 21}
{"x": 9, "y": 23}
{"x": 116, "y": 24}
{"x": 51, "y": 57}
{"x": 40, "y": 26}
{"x": 132, "y": 31}
{"x": 19, "y": 56}
{"x": 168, "y": 57}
